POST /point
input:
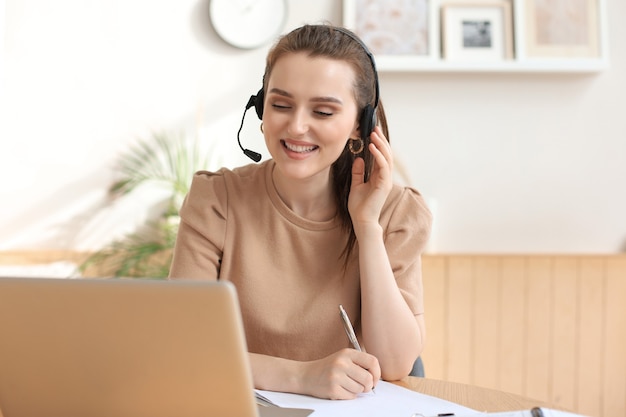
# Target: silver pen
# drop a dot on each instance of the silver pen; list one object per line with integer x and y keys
{"x": 350, "y": 331}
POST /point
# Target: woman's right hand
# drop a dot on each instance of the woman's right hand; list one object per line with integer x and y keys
{"x": 340, "y": 376}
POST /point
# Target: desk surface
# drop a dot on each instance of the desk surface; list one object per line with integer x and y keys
{"x": 477, "y": 398}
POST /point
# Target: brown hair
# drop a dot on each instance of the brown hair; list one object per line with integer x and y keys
{"x": 337, "y": 43}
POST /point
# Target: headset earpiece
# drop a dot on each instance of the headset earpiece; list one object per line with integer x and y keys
{"x": 367, "y": 123}
{"x": 258, "y": 103}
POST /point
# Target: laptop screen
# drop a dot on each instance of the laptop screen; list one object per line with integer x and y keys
{"x": 122, "y": 347}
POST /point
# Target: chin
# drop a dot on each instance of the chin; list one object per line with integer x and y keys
{"x": 301, "y": 170}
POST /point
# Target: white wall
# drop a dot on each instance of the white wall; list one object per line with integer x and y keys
{"x": 510, "y": 162}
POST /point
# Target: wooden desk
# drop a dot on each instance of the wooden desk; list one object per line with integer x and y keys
{"x": 477, "y": 398}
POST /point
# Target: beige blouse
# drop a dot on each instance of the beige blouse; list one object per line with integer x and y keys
{"x": 288, "y": 271}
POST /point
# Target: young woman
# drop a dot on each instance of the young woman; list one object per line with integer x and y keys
{"x": 319, "y": 225}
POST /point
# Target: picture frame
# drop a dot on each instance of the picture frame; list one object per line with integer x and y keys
{"x": 477, "y": 31}
{"x": 402, "y": 35}
{"x": 562, "y": 29}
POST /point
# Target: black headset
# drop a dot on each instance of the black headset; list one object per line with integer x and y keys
{"x": 367, "y": 120}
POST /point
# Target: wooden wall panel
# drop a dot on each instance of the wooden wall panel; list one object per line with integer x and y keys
{"x": 512, "y": 334}
{"x": 592, "y": 284}
{"x": 564, "y": 327}
{"x": 435, "y": 305}
{"x": 459, "y": 318}
{"x": 614, "y": 351}
{"x": 485, "y": 329}
{"x": 538, "y": 343}
{"x": 547, "y": 327}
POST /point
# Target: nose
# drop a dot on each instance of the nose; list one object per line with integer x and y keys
{"x": 298, "y": 123}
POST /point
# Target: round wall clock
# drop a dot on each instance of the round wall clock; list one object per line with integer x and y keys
{"x": 248, "y": 24}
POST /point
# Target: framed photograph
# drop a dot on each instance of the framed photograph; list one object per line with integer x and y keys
{"x": 562, "y": 28}
{"x": 477, "y": 31}
{"x": 400, "y": 33}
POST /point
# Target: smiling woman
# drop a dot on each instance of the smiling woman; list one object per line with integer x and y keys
{"x": 319, "y": 225}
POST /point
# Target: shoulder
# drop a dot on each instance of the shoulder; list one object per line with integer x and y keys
{"x": 222, "y": 180}
{"x": 406, "y": 212}
{"x": 212, "y": 190}
{"x": 407, "y": 201}
{"x": 231, "y": 175}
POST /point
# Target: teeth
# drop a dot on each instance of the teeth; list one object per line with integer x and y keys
{"x": 299, "y": 148}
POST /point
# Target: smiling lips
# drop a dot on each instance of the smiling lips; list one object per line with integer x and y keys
{"x": 299, "y": 148}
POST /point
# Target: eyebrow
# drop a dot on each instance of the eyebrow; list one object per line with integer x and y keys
{"x": 324, "y": 99}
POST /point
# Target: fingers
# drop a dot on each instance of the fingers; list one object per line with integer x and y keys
{"x": 341, "y": 376}
{"x": 381, "y": 149}
{"x": 362, "y": 372}
{"x": 370, "y": 364}
{"x": 358, "y": 172}
{"x": 351, "y": 387}
{"x": 361, "y": 380}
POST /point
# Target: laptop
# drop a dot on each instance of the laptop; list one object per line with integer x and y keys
{"x": 122, "y": 347}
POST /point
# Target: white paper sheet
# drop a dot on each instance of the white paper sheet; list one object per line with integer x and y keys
{"x": 390, "y": 400}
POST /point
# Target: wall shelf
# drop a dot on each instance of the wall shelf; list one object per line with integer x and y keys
{"x": 517, "y": 26}
{"x": 513, "y": 66}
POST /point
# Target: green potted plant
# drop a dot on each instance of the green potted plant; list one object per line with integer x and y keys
{"x": 167, "y": 160}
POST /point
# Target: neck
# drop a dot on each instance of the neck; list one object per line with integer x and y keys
{"x": 310, "y": 198}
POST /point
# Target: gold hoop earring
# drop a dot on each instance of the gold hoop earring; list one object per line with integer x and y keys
{"x": 356, "y": 145}
{"x": 261, "y": 127}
